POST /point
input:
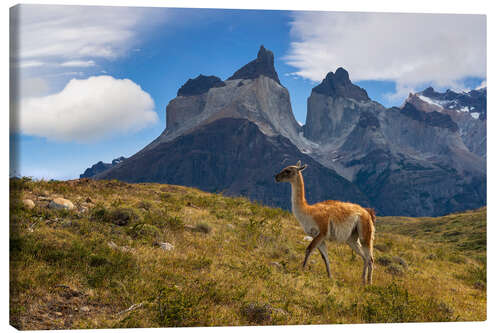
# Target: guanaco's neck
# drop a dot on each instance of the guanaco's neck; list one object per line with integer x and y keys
{"x": 299, "y": 202}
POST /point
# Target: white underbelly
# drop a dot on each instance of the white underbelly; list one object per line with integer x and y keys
{"x": 310, "y": 227}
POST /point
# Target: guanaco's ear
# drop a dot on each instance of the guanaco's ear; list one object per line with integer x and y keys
{"x": 298, "y": 164}
{"x": 303, "y": 167}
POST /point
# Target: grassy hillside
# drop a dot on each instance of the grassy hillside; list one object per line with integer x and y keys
{"x": 465, "y": 232}
{"x": 233, "y": 262}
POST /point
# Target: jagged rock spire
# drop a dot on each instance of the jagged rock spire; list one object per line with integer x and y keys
{"x": 199, "y": 85}
{"x": 263, "y": 65}
{"x": 339, "y": 84}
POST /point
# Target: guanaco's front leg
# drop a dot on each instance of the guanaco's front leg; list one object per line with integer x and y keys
{"x": 314, "y": 244}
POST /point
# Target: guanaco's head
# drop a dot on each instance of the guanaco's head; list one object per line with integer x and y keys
{"x": 290, "y": 173}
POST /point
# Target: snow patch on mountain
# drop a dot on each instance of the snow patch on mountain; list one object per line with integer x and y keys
{"x": 430, "y": 101}
{"x": 453, "y": 100}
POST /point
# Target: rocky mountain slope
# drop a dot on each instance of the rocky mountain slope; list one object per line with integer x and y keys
{"x": 466, "y": 109}
{"x": 234, "y": 157}
{"x": 412, "y": 160}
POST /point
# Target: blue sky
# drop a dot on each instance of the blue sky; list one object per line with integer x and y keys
{"x": 127, "y": 64}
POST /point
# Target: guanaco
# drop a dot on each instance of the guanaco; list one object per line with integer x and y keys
{"x": 332, "y": 220}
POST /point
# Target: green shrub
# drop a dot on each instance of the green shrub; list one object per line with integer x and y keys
{"x": 19, "y": 184}
{"x": 395, "y": 270}
{"x": 256, "y": 313}
{"x": 475, "y": 276}
{"x": 174, "y": 222}
{"x": 198, "y": 263}
{"x": 384, "y": 260}
{"x": 176, "y": 308}
{"x": 144, "y": 231}
{"x": 122, "y": 216}
{"x": 255, "y": 226}
{"x": 393, "y": 304}
{"x": 119, "y": 215}
{"x": 146, "y": 205}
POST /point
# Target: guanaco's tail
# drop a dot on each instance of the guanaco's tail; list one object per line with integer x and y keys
{"x": 372, "y": 214}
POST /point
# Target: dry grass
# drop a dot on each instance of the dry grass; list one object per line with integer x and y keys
{"x": 234, "y": 262}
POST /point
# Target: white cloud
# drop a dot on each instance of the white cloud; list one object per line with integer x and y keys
{"x": 32, "y": 87}
{"x": 88, "y": 110}
{"x": 78, "y": 63}
{"x": 29, "y": 63}
{"x": 410, "y": 49}
{"x": 56, "y": 74}
{"x": 482, "y": 85}
{"x": 77, "y": 32}
{"x": 402, "y": 91}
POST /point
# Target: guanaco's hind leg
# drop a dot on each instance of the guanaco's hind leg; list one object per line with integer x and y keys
{"x": 367, "y": 250}
{"x": 364, "y": 247}
{"x": 354, "y": 243}
{"x": 368, "y": 266}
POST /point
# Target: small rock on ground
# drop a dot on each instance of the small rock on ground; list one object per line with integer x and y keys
{"x": 61, "y": 203}
{"x": 28, "y": 203}
{"x": 166, "y": 246}
{"x": 308, "y": 238}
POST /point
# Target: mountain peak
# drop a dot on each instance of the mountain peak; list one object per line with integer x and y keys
{"x": 428, "y": 90}
{"x": 199, "y": 85}
{"x": 265, "y": 54}
{"x": 262, "y": 65}
{"x": 341, "y": 75}
{"x": 448, "y": 94}
{"x": 339, "y": 84}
